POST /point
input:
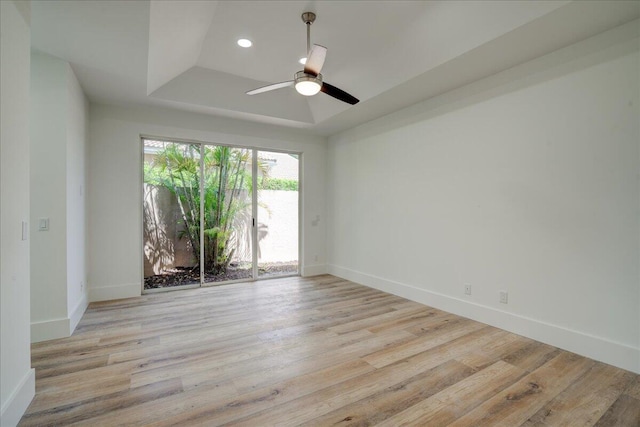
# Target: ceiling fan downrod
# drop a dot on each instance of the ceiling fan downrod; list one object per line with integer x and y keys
{"x": 308, "y": 18}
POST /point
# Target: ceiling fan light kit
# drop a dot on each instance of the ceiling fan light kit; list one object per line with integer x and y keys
{"x": 308, "y": 82}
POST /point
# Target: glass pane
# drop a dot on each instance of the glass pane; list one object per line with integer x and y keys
{"x": 227, "y": 214}
{"x": 171, "y": 240}
{"x": 277, "y": 213}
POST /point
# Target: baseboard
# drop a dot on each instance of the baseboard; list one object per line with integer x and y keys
{"x": 19, "y": 400}
{"x": 613, "y": 353}
{"x": 108, "y": 293}
{"x": 77, "y": 313}
{"x": 314, "y": 270}
{"x": 50, "y": 329}
{"x": 59, "y": 328}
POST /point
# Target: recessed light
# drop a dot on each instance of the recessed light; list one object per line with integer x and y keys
{"x": 303, "y": 60}
{"x": 244, "y": 43}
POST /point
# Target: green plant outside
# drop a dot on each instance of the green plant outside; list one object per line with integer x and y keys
{"x": 278, "y": 184}
{"x": 226, "y": 190}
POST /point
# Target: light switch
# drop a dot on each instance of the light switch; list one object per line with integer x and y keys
{"x": 25, "y": 230}
{"x": 43, "y": 224}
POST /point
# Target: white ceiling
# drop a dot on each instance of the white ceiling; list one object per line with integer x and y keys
{"x": 389, "y": 54}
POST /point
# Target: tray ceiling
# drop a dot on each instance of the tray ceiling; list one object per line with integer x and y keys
{"x": 389, "y": 54}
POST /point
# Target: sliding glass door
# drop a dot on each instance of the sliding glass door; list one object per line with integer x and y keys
{"x": 277, "y": 214}
{"x": 203, "y": 222}
{"x": 228, "y": 214}
{"x": 171, "y": 205}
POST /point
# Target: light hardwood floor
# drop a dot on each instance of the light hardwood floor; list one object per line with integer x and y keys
{"x": 315, "y": 351}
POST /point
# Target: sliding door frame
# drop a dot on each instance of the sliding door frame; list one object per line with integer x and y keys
{"x": 254, "y": 211}
{"x": 300, "y": 221}
{"x": 254, "y": 214}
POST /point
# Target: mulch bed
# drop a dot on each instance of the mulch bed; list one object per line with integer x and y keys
{"x": 181, "y": 276}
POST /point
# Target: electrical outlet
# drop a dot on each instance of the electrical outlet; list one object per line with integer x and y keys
{"x": 504, "y": 297}
{"x": 467, "y": 288}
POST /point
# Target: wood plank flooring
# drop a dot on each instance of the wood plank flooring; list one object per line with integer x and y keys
{"x": 317, "y": 351}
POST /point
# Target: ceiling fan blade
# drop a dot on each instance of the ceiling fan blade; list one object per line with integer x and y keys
{"x": 270, "y": 87}
{"x": 315, "y": 60}
{"x": 338, "y": 94}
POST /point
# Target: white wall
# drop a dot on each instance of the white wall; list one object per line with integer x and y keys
{"x": 17, "y": 379}
{"x": 115, "y": 186}
{"x": 48, "y": 197}
{"x": 77, "y": 142}
{"x": 525, "y": 182}
{"x": 58, "y": 138}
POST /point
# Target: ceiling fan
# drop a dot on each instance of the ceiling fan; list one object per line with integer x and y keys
{"x": 308, "y": 82}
